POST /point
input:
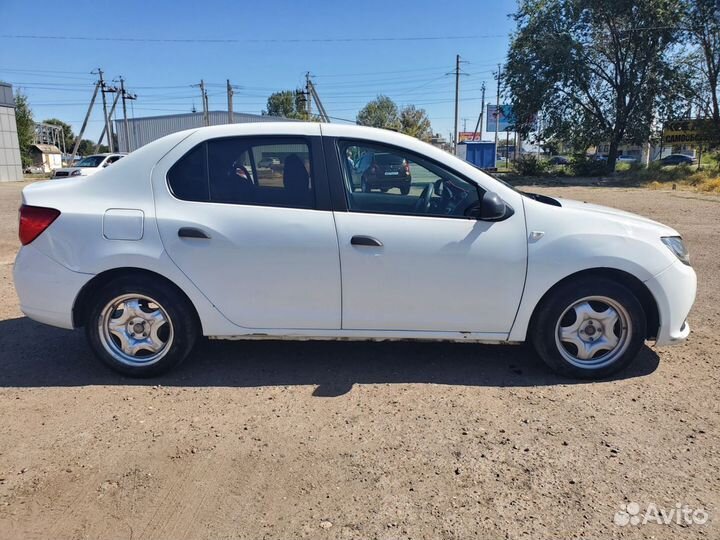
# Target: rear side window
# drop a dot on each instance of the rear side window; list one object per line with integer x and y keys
{"x": 240, "y": 170}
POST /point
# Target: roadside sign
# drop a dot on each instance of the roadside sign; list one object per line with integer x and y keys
{"x": 506, "y": 119}
{"x": 464, "y": 136}
{"x": 699, "y": 131}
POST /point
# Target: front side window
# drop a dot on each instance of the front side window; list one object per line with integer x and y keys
{"x": 390, "y": 180}
{"x": 240, "y": 170}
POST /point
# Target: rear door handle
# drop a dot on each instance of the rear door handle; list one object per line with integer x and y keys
{"x": 365, "y": 241}
{"x": 192, "y": 232}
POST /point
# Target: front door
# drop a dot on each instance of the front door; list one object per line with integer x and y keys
{"x": 241, "y": 220}
{"x": 414, "y": 262}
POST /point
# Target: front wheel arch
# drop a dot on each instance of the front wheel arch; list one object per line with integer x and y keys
{"x": 637, "y": 287}
{"x": 82, "y": 305}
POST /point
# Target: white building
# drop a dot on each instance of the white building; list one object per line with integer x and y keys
{"x": 146, "y": 129}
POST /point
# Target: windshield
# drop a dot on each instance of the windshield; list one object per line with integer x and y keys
{"x": 90, "y": 161}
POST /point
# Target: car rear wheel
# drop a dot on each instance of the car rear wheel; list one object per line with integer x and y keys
{"x": 364, "y": 186}
{"x": 404, "y": 190}
{"x": 589, "y": 329}
{"x": 141, "y": 327}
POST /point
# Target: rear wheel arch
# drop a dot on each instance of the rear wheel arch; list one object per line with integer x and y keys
{"x": 82, "y": 305}
{"x": 637, "y": 287}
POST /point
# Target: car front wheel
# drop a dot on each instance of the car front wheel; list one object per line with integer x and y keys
{"x": 589, "y": 329}
{"x": 141, "y": 327}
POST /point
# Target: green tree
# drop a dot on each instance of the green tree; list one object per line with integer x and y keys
{"x": 85, "y": 148}
{"x": 414, "y": 122}
{"x": 287, "y": 104}
{"x": 595, "y": 70}
{"x": 25, "y": 127}
{"x": 68, "y": 134}
{"x": 381, "y": 113}
{"x": 702, "y": 24}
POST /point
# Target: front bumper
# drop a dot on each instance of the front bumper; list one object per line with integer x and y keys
{"x": 47, "y": 289}
{"x": 674, "y": 290}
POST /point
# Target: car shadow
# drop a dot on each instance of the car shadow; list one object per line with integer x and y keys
{"x": 35, "y": 355}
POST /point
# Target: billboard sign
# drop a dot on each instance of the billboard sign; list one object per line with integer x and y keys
{"x": 690, "y": 132}
{"x": 504, "y": 115}
{"x": 464, "y": 136}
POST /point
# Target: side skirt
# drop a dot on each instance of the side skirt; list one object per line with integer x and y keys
{"x": 371, "y": 335}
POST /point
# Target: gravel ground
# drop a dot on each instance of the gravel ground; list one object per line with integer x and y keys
{"x": 361, "y": 440}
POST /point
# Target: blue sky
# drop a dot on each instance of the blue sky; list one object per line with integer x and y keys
{"x": 55, "y": 74}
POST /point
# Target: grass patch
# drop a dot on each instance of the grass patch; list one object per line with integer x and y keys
{"x": 704, "y": 180}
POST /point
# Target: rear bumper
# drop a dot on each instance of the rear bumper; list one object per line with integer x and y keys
{"x": 389, "y": 182}
{"x": 674, "y": 291}
{"x": 47, "y": 290}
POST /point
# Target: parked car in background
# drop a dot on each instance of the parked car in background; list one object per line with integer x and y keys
{"x": 88, "y": 165}
{"x": 269, "y": 162}
{"x": 174, "y": 243}
{"x": 559, "y": 160}
{"x": 677, "y": 159}
{"x": 627, "y": 159}
{"x": 383, "y": 171}
{"x": 33, "y": 169}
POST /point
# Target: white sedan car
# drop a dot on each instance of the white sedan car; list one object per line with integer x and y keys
{"x": 88, "y": 165}
{"x": 188, "y": 236}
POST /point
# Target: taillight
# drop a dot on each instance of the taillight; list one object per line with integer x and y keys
{"x": 407, "y": 166}
{"x": 34, "y": 220}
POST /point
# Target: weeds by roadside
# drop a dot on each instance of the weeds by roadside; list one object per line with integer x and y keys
{"x": 705, "y": 180}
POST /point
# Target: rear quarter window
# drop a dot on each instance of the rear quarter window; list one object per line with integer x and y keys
{"x": 188, "y": 178}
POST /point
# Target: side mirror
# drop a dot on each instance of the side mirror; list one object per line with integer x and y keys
{"x": 490, "y": 208}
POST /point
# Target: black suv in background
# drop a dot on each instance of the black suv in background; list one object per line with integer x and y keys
{"x": 383, "y": 171}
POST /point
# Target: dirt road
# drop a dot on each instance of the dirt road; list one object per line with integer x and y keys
{"x": 361, "y": 440}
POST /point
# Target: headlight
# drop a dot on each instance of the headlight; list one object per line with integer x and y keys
{"x": 76, "y": 172}
{"x": 677, "y": 246}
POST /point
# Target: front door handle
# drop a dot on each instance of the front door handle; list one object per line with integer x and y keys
{"x": 192, "y": 232}
{"x": 365, "y": 241}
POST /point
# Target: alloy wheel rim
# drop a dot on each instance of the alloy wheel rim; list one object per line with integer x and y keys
{"x": 135, "y": 330}
{"x": 593, "y": 332}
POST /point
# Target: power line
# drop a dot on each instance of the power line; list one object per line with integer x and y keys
{"x": 252, "y": 40}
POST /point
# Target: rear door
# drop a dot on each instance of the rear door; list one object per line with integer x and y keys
{"x": 259, "y": 242}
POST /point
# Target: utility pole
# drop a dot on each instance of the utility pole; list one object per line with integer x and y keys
{"x": 102, "y": 133}
{"x": 125, "y": 95}
{"x": 497, "y": 107}
{"x": 480, "y": 116}
{"x": 322, "y": 113}
{"x": 106, "y": 89}
{"x": 206, "y": 105}
{"x": 457, "y": 101}
{"x": 230, "y": 102}
{"x": 204, "y": 100}
{"x": 84, "y": 124}
{"x": 308, "y": 102}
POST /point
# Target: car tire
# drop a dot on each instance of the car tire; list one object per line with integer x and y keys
{"x": 404, "y": 190}
{"x": 364, "y": 186}
{"x": 589, "y": 328}
{"x": 140, "y": 326}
